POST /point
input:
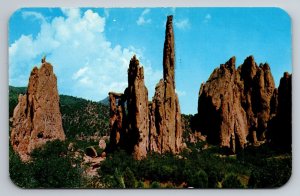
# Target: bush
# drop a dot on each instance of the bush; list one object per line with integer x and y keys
{"x": 20, "y": 173}
{"x": 140, "y": 184}
{"x": 155, "y": 185}
{"x": 232, "y": 181}
{"x": 52, "y": 167}
{"x": 129, "y": 178}
{"x": 197, "y": 179}
{"x": 274, "y": 173}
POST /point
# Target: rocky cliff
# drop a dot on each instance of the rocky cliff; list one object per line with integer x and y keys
{"x": 141, "y": 127}
{"x": 234, "y": 105}
{"x": 37, "y": 118}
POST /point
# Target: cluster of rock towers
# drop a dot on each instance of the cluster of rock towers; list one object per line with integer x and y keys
{"x": 241, "y": 106}
{"x": 140, "y": 126}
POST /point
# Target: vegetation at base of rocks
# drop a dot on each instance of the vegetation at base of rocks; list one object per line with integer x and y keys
{"x": 198, "y": 168}
{"x": 50, "y": 166}
{"x": 54, "y": 166}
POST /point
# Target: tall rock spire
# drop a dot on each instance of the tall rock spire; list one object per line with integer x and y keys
{"x": 165, "y": 101}
{"x": 37, "y": 118}
{"x": 137, "y": 106}
{"x": 141, "y": 127}
{"x": 169, "y": 52}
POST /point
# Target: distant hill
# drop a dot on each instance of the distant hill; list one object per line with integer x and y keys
{"x": 105, "y": 101}
{"x": 78, "y": 115}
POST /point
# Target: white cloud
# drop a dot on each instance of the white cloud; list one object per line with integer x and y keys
{"x": 207, "y": 18}
{"x": 180, "y": 93}
{"x": 141, "y": 20}
{"x": 79, "y": 73}
{"x": 85, "y": 62}
{"x": 183, "y": 24}
{"x": 34, "y": 15}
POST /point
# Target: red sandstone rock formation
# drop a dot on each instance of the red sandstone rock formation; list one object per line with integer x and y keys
{"x": 37, "y": 118}
{"x": 235, "y": 104}
{"x": 258, "y": 91}
{"x": 130, "y": 125}
{"x": 221, "y": 115}
{"x": 167, "y": 132}
{"x": 137, "y": 106}
{"x": 143, "y": 127}
{"x": 116, "y": 120}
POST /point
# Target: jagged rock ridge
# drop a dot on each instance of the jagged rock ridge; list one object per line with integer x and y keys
{"x": 139, "y": 127}
{"x": 37, "y": 118}
{"x": 234, "y": 105}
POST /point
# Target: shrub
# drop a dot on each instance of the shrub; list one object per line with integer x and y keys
{"x": 274, "y": 173}
{"x": 232, "y": 181}
{"x": 140, "y": 184}
{"x": 20, "y": 173}
{"x": 198, "y": 179}
{"x": 52, "y": 167}
{"x": 129, "y": 178}
{"x": 155, "y": 185}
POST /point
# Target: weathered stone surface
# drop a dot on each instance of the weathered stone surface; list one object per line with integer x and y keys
{"x": 165, "y": 102}
{"x": 116, "y": 121}
{"x": 256, "y": 98}
{"x": 220, "y": 113}
{"x": 130, "y": 125}
{"x": 37, "y": 118}
{"x": 281, "y": 124}
{"x": 137, "y": 106}
{"x": 234, "y": 105}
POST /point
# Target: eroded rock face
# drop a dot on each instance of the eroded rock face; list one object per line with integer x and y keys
{"x": 168, "y": 129}
{"x": 256, "y": 98}
{"x": 137, "y": 106}
{"x": 221, "y": 115}
{"x": 281, "y": 124}
{"x": 130, "y": 125}
{"x": 37, "y": 118}
{"x": 116, "y": 121}
{"x": 234, "y": 105}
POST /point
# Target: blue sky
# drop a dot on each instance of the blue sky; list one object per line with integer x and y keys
{"x": 90, "y": 49}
